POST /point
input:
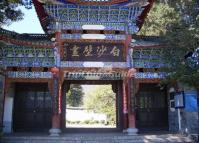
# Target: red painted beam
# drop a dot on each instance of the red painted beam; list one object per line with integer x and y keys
{"x": 41, "y": 14}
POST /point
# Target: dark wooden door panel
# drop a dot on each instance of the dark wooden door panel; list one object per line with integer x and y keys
{"x": 151, "y": 105}
{"x": 32, "y": 107}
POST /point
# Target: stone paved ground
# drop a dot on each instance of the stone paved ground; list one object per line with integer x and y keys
{"x": 95, "y": 138}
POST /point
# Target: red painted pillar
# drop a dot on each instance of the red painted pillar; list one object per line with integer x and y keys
{"x": 56, "y": 117}
{"x": 125, "y": 106}
{"x": 56, "y": 121}
{"x": 131, "y": 120}
{"x": 131, "y": 115}
{"x": 125, "y": 91}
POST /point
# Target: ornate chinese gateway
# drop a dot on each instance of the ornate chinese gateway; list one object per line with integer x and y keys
{"x": 89, "y": 42}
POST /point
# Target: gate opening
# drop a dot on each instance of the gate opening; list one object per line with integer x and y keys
{"x": 90, "y": 106}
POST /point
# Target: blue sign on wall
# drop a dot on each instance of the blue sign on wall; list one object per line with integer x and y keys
{"x": 191, "y": 103}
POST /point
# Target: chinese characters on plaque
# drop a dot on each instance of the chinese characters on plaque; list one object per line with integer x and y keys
{"x": 93, "y": 52}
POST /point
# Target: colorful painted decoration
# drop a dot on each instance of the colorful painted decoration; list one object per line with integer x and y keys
{"x": 150, "y": 75}
{"x": 32, "y": 75}
{"x": 81, "y": 15}
{"x": 93, "y": 76}
{"x": 13, "y": 55}
{"x": 88, "y": 64}
{"x": 147, "y": 58}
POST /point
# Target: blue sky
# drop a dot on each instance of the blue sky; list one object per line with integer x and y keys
{"x": 30, "y": 23}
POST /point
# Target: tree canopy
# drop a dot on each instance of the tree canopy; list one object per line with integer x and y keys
{"x": 160, "y": 16}
{"x": 178, "y": 25}
{"x": 10, "y": 11}
{"x": 182, "y": 40}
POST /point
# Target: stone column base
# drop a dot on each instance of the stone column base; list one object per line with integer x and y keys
{"x": 54, "y": 132}
{"x": 124, "y": 130}
{"x": 132, "y": 131}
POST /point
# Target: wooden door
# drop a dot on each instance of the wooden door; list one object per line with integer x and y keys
{"x": 32, "y": 107}
{"x": 151, "y": 107}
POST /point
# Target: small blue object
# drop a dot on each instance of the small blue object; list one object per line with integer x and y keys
{"x": 191, "y": 103}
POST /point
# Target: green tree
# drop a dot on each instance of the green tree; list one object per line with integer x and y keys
{"x": 10, "y": 11}
{"x": 177, "y": 22}
{"x": 102, "y": 100}
{"x": 159, "y": 17}
{"x": 181, "y": 38}
{"x": 74, "y": 96}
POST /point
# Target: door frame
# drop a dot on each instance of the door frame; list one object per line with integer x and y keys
{"x": 117, "y": 88}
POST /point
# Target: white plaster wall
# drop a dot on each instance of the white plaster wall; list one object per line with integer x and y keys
{"x": 8, "y": 110}
{"x": 7, "y": 118}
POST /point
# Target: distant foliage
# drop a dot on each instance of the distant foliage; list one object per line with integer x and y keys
{"x": 74, "y": 97}
{"x": 102, "y": 100}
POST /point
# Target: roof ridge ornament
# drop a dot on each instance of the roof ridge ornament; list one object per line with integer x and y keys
{"x": 49, "y": 1}
{"x": 99, "y": 2}
{"x": 132, "y": 3}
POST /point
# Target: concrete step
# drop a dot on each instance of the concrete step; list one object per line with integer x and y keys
{"x": 95, "y": 138}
